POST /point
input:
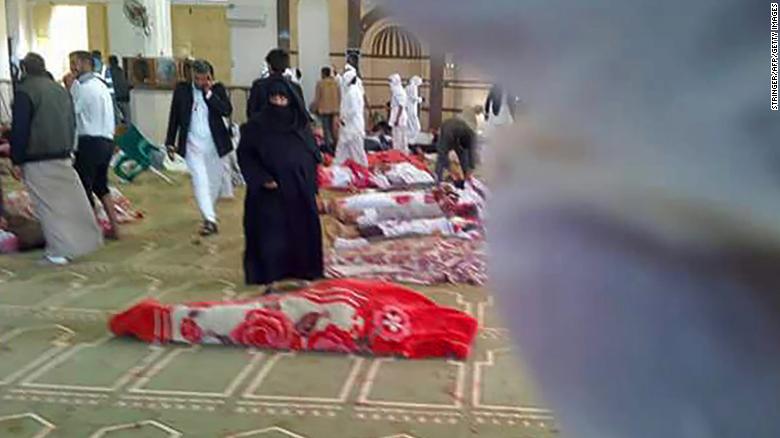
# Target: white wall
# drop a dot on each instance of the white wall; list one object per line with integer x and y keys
{"x": 251, "y": 42}
{"x": 313, "y": 42}
{"x": 68, "y": 32}
{"x": 123, "y": 38}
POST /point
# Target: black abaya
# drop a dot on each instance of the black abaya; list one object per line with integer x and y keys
{"x": 282, "y": 225}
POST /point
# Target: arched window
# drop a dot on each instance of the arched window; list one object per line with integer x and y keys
{"x": 393, "y": 41}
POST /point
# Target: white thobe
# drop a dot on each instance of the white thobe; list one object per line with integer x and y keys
{"x": 398, "y": 116}
{"x": 203, "y": 162}
{"x": 413, "y": 101}
{"x": 352, "y": 133}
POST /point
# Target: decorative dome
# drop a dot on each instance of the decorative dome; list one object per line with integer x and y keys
{"x": 396, "y": 42}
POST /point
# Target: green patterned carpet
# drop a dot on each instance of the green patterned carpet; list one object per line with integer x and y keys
{"x": 63, "y": 375}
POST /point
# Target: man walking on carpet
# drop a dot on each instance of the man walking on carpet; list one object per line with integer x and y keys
{"x": 95, "y": 125}
{"x": 197, "y": 117}
{"x": 326, "y": 105}
{"x": 278, "y": 62}
{"x": 41, "y": 147}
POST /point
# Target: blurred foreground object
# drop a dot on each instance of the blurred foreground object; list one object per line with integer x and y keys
{"x": 635, "y": 218}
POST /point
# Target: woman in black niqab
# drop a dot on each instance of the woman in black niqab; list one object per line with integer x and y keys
{"x": 278, "y": 158}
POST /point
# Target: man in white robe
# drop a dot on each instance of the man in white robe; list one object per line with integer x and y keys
{"x": 353, "y": 124}
{"x": 413, "y": 101}
{"x": 398, "y": 114}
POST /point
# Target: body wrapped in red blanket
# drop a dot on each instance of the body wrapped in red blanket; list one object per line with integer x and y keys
{"x": 343, "y": 316}
{"x": 386, "y": 171}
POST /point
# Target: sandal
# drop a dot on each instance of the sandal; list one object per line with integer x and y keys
{"x": 209, "y": 228}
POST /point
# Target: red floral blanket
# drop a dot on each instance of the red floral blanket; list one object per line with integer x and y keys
{"x": 388, "y": 170}
{"x": 426, "y": 260}
{"x": 344, "y": 316}
{"x": 395, "y": 156}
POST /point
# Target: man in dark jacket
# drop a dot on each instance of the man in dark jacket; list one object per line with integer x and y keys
{"x": 456, "y": 135}
{"x": 278, "y": 61}
{"x": 42, "y": 139}
{"x": 121, "y": 88}
{"x": 198, "y": 113}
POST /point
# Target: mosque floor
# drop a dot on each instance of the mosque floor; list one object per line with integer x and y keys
{"x": 63, "y": 375}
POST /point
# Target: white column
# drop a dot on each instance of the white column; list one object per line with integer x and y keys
{"x": 313, "y": 42}
{"x": 18, "y": 26}
{"x": 5, "y": 69}
{"x": 160, "y": 43}
{"x": 128, "y": 40}
{"x": 5, "y": 66}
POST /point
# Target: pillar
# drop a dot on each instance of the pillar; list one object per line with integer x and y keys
{"x": 6, "y": 88}
{"x": 18, "y": 27}
{"x": 313, "y": 43}
{"x": 283, "y": 23}
{"x": 160, "y": 42}
{"x": 437, "y": 89}
{"x": 127, "y": 40}
{"x": 5, "y": 59}
{"x": 354, "y": 29}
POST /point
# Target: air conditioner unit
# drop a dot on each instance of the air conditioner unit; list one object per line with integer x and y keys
{"x": 247, "y": 16}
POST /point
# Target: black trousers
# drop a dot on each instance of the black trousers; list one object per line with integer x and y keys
{"x": 93, "y": 159}
{"x": 327, "y": 128}
{"x": 466, "y": 157}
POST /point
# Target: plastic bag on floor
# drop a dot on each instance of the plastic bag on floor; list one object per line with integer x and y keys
{"x": 9, "y": 243}
{"x": 176, "y": 165}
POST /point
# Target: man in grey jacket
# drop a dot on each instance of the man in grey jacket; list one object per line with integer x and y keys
{"x": 41, "y": 147}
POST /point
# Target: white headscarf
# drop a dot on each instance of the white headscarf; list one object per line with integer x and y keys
{"x": 413, "y": 90}
{"x": 396, "y": 84}
{"x": 397, "y": 90}
{"x": 346, "y": 78}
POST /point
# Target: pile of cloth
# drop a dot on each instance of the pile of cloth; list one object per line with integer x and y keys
{"x": 425, "y": 260}
{"x": 18, "y": 203}
{"x": 24, "y": 230}
{"x": 363, "y": 235}
{"x": 386, "y": 170}
{"x": 443, "y": 210}
{"x": 398, "y": 225}
{"x": 423, "y": 236}
{"x": 125, "y": 212}
{"x": 340, "y": 316}
{"x": 394, "y": 156}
